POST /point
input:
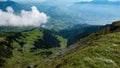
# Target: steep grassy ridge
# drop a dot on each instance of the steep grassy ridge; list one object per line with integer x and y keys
{"x": 102, "y": 53}
{"x": 97, "y": 50}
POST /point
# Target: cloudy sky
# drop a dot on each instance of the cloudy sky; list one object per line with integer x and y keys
{"x": 63, "y": 0}
{"x": 26, "y": 18}
{"x": 92, "y": 13}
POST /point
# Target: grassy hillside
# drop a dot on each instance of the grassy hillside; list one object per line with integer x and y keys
{"x": 6, "y": 29}
{"x": 29, "y": 48}
{"x": 41, "y": 48}
{"x": 102, "y": 53}
{"x": 97, "y": 50}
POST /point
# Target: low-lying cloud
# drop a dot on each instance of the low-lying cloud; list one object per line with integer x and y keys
{"x": 25, "y": 18}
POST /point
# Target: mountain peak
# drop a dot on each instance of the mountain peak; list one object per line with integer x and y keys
{"x": 9, "y": 1}
{"x": 4, "y": 4}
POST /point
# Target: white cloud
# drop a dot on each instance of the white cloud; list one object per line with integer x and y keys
{"x": 26, "y": 18}
{"x": 10, "y": 9}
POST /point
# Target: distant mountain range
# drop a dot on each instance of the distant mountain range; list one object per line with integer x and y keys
{"x": 60, "y": 18}
{"x": 100, "y": 2}
{"x": 16, "y": 6}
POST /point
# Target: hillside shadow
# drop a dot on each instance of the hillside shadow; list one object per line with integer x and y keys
{"x": 49, "y": 40}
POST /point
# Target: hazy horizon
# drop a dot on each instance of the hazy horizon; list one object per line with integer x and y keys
{"x": 98, "y": 13}
{"x": 64, "y": 1}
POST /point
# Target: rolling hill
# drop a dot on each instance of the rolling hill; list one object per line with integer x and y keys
{"x": 97, "y": 50}
{"x": 42, "y": 48}
{"x": 25, "y": 49}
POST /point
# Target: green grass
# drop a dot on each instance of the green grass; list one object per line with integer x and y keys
{"x": 24, "y": 52}
{"x": 63, "y": 42}
{"x": 31, "y": 48}
{"x": 102, "y": 53}
{"x": 117, "y": 23}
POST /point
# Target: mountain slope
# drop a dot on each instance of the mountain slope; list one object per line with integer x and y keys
{"x": 76, "y": 32}
{"x": 6, "y": 29}
{"x": 29, "y": 47}
{"x": 100, "y": 49}
{"x": 103, "y": 52}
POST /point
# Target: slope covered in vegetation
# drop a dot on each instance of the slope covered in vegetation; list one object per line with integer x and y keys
{"x": 102, "y": 53}
{"x": 41, "y": 48}
{"x": 25, "y": 49}
{"x": 97, "y": 50}
{"x": 76, "y": 32}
